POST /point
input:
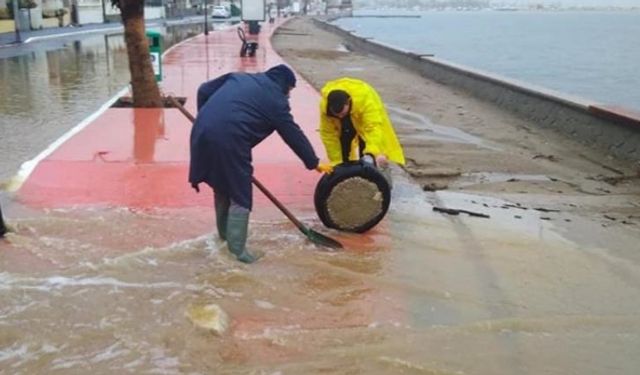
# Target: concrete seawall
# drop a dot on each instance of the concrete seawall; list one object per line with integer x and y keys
{"x": 613, "y": 129}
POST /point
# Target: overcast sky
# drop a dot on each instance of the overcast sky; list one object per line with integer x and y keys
{"x": 579, "y": 2}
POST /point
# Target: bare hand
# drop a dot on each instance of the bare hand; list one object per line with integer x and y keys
{"x": 382, "y": 161}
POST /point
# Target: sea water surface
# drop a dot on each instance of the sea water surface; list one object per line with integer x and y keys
{"x": 590, "y": 54}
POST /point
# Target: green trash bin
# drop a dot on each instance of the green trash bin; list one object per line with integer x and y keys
{"x": 155, "y": 50}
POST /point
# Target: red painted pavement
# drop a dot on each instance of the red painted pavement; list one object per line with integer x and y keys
{"x": 139, "y": 157}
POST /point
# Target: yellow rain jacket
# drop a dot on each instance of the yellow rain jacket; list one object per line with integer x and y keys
{"x": 369, "y": 118}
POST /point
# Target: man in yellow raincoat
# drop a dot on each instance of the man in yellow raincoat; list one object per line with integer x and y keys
{"x": 354, "y": 124}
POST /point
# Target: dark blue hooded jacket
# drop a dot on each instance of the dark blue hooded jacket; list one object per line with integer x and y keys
{"x": 237, "y": 111}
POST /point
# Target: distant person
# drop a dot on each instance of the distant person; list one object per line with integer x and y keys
{"x": 74, "y": 14}
{"x": 354, "y": 124}
{"x": 272, "y": 13}
{"x": 236, "y": 112}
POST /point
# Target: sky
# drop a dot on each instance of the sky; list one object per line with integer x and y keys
{"x": 583, "y": 2}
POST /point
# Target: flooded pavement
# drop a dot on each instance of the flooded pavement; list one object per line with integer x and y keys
{"x": 115, "y": 288}
{"x": 422, "y": 129}
{"x": 52, "y": 86}
{"x": 423, "y": 293}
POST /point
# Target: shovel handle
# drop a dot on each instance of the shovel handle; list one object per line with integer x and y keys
{"x": 282, "y": 208}
{"x": 262, "y": 188}
{"x": 310, "y": 233}
{"x": 177, "y": 104}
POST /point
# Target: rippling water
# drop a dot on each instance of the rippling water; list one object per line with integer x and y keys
{"x": 57, "y": 84}
{"x": 107, "y": 290}
{"x": 588, "y": 54}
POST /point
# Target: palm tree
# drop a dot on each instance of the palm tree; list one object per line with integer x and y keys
{"x": 144, "y": 87}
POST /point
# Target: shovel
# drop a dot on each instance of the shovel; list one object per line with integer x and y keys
{"x": 311, "y": 234}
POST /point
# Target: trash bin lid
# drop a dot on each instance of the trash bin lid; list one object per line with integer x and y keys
{"x": 354, "y": 198}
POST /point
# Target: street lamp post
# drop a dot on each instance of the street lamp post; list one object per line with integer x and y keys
{"x": 206, "y": 24}
{"x": 104, "y": 12}
{"x": 15, "y": 20}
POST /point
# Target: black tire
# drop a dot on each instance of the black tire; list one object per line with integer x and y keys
{"x": 341, "y": 173}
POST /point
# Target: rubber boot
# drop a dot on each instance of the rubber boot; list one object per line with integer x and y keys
{"x": 221, "y": 204}
{"x": 3, "y": 228}
{"x": 237, "y": 225}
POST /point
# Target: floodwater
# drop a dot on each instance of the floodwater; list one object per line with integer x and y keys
{"x": 54, "y": 85}
{"x": 424, "y": 293}
{"x": 109, "y": 290}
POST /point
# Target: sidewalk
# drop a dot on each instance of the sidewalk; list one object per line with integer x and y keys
{"x": 116, "y": 194}
{"x": 138, "y": 158}
{"x": 7, "y": 39}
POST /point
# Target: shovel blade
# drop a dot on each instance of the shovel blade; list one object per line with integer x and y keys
{"x": 321, "y": 239}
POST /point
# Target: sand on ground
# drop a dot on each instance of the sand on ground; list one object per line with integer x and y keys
{"x": 454, "y": 141}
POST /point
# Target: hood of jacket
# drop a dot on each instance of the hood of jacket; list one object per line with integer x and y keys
{"x": 283, "y": 76}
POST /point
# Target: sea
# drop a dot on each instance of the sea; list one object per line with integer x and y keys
{"x": 593, "y": 55}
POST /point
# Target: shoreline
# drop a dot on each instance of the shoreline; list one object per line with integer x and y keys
{"x": 611, "y": 128}
{"x": 455, "y": 141}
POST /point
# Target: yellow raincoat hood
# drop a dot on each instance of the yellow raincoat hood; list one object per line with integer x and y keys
{"x": 369, "y": 118}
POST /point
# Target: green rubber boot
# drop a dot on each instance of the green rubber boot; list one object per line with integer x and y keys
{"x": 3, "y": 228}
{"x": 237, "y": 225}
{"x": 221, "y": 204}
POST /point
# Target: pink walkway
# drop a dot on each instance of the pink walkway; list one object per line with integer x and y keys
{"x": 139, "y": 157}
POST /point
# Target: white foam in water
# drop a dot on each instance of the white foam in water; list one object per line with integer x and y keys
{"x": 65, "y": 363}
{"x": 61, "y": 281}
{"x": 149, "y": 253}
{"x": 110, "y": 353}
{"x": 163, "y": 362}
{"x": 13, "y": 352}
{"x": 57, "y": 282}
{"x": 16, "y": 309}
{"x": 21, "y": 353}
{"x": 135, "y": 363}
{"x": 264, "y": 304}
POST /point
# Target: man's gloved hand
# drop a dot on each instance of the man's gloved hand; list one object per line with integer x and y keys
{"x": 324, "y": 168}
{"x": 195, "y": 187}
{"x": 368, "y": 158}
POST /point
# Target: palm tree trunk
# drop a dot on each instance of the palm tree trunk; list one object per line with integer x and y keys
{"x": 144, "y": 87}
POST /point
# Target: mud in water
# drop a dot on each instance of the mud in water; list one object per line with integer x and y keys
{"x": 422, "y": 293}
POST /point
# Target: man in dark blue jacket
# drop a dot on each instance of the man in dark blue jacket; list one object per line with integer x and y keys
{"x": 237, "y": 111}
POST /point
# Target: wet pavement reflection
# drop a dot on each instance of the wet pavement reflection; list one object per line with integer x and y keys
{"x": 57, "y": 84}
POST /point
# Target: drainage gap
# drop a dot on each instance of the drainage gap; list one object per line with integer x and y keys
{"x": 127, "y": 102}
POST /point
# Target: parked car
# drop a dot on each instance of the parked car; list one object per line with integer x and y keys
{"x": 220, "y": 11}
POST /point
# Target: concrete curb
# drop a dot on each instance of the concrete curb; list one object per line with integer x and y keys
{"x": 615, "y": 130}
